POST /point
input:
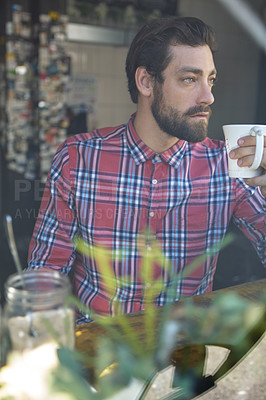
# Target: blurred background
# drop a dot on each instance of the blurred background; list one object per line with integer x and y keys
{"x": 62, "y": 72}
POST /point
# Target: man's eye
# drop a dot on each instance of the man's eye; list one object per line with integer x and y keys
{"x": 213, "y": 81}
{"x": 189, "y": 80}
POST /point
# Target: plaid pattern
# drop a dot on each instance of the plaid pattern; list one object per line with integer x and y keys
{"x": 109, "y": 188}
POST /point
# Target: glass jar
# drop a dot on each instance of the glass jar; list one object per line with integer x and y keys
{"x": 36, "y": 312}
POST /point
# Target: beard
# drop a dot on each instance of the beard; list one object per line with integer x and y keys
{"x": 178, "y": 124}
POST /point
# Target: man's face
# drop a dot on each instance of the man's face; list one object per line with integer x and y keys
{"x": 181, "y": 104}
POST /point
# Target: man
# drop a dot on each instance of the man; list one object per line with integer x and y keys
{"x": 158, "y": 176}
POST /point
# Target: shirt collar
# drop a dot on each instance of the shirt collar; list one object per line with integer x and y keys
{"x": 142, "y": 153}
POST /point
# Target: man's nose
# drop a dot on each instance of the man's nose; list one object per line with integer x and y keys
{"x": 205, "y": 95}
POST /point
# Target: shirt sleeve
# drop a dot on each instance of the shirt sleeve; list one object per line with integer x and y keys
{"x": 250, "y": 216}
{"x": 51, "y": 245}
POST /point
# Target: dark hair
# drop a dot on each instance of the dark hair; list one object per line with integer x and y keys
{"x": 150, "y": 47}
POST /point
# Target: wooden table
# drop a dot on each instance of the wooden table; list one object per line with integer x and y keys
{"x": 87, "y": 335}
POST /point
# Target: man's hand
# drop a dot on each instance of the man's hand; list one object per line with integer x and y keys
{"x": 245, "y": 156}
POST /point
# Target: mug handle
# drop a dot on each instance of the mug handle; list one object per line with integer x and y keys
{"x": 256, "y": 131}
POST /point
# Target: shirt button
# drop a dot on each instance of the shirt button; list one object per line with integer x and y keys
{"x": 151, "y": 214}
{"x": 157, "y": 158}
{"x": 154, "y": 181}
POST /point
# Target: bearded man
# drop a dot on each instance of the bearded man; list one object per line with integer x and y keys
{"x": 157, "y": 177}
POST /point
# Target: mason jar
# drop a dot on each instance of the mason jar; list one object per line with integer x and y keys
{"x": 35, "y": 312}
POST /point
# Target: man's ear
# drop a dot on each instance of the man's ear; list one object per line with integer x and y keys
{"x": 143, "y": 81}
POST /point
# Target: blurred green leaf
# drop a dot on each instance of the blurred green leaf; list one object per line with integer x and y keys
{"x": 64, "y": 380}
{"x": 70, "y": 360}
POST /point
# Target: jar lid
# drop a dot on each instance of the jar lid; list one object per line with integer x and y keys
{"x": 40, "y": 287}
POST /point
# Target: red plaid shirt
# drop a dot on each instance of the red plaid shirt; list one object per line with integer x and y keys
{"x": 108, "y": 188}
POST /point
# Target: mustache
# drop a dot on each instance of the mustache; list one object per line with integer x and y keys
{"x": 198, "y": 109}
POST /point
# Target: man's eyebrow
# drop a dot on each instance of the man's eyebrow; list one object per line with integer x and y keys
{"x": 196, "y": 71}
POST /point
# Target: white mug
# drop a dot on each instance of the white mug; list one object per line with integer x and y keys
{"x": 232, "y": 133}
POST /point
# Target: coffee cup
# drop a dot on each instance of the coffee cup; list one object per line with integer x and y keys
{"x": 234, "y": 132}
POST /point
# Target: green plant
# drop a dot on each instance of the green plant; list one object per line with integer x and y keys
{"x": 121, "y": 356}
